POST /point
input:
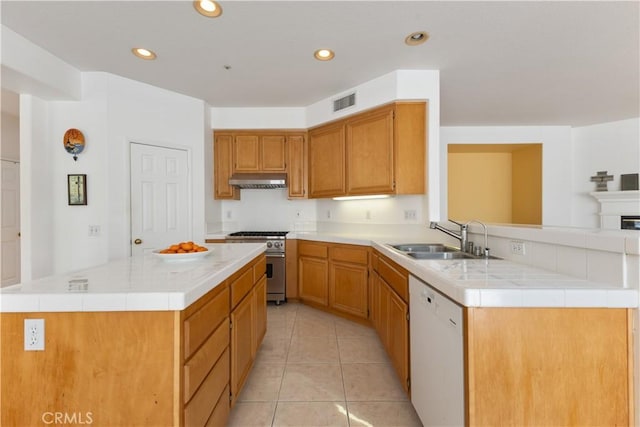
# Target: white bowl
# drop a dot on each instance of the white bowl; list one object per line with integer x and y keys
{"x": 181, "y": 257}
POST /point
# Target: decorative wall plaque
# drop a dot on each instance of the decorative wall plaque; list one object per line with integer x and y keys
{"x": 77, "y": 189}
{"x": 73, "y": 142}
{"x": 629, "y": 182}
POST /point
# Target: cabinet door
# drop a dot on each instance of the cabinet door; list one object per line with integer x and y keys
{"x": 327, "y": 161}
{"x": 260, "y": 297}
{"x": 374, "y": 297}
{"x": 246, "y": 152}
{"x": 370, "y": 153}
{"x": 313, "y": 280}
{"x": 384, "y": 293}
{"x": 223, "y": 168}
{"x": 296, "y": 167}
{"x": 242, "y": 343}
{"x": 348, "y": 288}
{"x": 272, "y": 153}
{"x": 398, "y": 337}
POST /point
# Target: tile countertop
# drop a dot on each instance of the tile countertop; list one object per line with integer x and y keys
{"x": 496, "y": 283}
{"x": 137, "y": 283}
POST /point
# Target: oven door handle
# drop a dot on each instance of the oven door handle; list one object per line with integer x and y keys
{"x": 275, "y": 255}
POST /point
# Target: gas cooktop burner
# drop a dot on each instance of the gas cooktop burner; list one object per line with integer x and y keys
{"x": 265, "y": 234}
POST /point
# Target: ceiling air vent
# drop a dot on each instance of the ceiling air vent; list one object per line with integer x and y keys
{"x": 344, "y": 102}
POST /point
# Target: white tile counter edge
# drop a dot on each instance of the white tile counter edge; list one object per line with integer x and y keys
{"x": 28, "y": 298}
{"x": 535, "y": 294}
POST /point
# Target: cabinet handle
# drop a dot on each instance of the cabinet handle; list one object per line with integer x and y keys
{"x": 137, "y": 241}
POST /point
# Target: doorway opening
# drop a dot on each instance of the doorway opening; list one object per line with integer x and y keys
{"x": 495, "y": 183}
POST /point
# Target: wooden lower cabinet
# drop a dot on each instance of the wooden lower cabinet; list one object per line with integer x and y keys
{"x": 260, "y": 306}
{"x": 242, "y": 344}
{"x": 347, "y": 288}
{"x": 549, "y": 366}
{"x": 390, "y": 318}
{"x": 313, "y": 280}
{"x": 248, "y": 321}
{"x": 144, "y": 368}
{"x": 398, "y": 336}
{"x": 335, "y": 276}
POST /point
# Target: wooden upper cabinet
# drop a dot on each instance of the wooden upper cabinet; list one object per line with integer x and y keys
{"x": 370, "y": 153}
{"x": 223, "y": 168}
{"x": 296, "y": 166}
{"x": 246, "y": 153}
{"x": 259, "y": 153}
{"x": 273, "y": 153}
{"x": 380, "y": 151}
{"x": 327, "y": 161}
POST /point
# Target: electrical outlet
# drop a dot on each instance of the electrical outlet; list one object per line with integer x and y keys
{"x": 298, "y": 214}
{"x": 367, "y": 214}
{"x": 410, "y": 214}
{"x": 328, "y": 214}
{"x": 517, "y": 247}
{"x": 94, "y": 230}
{"x": 34, "y": 334}
{"x": 228, "y": 214}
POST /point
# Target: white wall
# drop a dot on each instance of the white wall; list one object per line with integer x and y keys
{"x": 72, "y": 247}
{"x": 113, "y": 112}
{"x": 141, "y": 113}
{"x": 613, "y": 147}
{"x": 258, "y": 118}
{"x": 37, "y": 221}
{"x": 27, "y": 68}
{"x": 556, "y": 162}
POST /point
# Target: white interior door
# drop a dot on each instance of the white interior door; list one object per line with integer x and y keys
{"x": 160, "y": 207}
{"x": 10, "y": 252}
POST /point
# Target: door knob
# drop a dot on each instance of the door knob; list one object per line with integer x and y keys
{"x": 137, "y": 241}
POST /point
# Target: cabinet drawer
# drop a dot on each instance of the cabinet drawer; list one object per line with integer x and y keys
{"x": 241, "y": 286}
{"x": 351, "y": 254}
{"x": 199, "y": 409}
{"x": 396, "y": 276}
{"x": 317, "y": 250}
{"x": 259, "y": 269}
{"x": 220, "y": 414}
{"x": 199, "y": 325}
{"x": 196, "y": 369}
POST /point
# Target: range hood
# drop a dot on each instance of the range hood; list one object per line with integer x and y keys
{"x": 259, "y": 180}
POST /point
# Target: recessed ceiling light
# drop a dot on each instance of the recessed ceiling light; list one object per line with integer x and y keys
{"x": 143, "y": 53}
{"x": 416, "y": 38}
{"x": 208, "y": 8}
{"x": 324, "y": 54}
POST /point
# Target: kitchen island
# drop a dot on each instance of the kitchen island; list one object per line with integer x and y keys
{"x": 137, "y": 341}
{"x": 535, "y": 347}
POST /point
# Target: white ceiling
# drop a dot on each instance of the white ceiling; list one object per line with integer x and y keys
{"x": 501, "y": 63}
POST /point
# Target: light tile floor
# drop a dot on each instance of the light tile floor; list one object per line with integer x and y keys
{"x": 316, "y": 369}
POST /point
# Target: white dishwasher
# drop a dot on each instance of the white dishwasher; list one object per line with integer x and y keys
{"x": 437, "y": 360}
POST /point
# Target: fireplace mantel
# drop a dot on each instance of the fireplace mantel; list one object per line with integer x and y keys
{"x": 614, "y": 204}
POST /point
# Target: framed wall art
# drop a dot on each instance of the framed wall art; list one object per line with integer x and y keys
{"x": 77, "y": 189}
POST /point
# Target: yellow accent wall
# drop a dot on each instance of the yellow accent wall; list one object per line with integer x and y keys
{"x": 496, "y": 183}
{"x": 526, "y": 198}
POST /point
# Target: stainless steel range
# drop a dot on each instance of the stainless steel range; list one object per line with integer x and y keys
{"x": 275, "y": 240}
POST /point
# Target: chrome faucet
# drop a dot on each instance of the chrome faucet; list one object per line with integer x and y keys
{"x": 486, "y": 240}
{"x": 462, "y": 236}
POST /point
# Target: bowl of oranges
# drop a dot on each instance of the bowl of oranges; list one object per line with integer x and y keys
{"x": 182, "y": 251}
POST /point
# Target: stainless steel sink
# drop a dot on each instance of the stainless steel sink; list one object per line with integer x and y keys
{"x": 435, "y": 251}
{"x": 424, "y": 248}
{"x": 441, "y": 255}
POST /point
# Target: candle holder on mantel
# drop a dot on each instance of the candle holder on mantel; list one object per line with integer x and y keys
{"x": 601, "y": 178}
